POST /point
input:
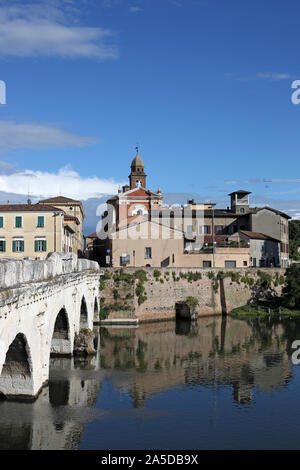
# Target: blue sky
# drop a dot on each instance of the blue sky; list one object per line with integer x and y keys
{"x": 203, "y": 86}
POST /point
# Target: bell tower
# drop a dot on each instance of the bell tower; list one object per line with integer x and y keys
{"x": 137, "y": 176}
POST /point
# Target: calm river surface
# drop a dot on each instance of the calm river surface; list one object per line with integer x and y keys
{"x": 215, "y": 384}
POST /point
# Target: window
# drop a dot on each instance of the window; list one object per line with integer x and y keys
{"x": 148, "y": 253}
{"x": 230, "y": 264}
{"x": 242, "y": 210}
{"x": 2, "y": 246}
{"x": 1, "y": 221}
{"x": 206, "y": 264}
{"x": 206, "y": 229}
{"x": 40, "y": 245}
{"x": 18, "y": 246}
{"x": 219, "y": 229}
{"x": 245, "y": 263}
{"x": 41, "y": 221}
{"x": 18, "y": 222}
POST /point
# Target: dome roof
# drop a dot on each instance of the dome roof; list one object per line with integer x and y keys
{"x": 137, "y": 161}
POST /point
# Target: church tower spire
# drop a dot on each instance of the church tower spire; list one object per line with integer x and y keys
{"x": 137, "y": 176}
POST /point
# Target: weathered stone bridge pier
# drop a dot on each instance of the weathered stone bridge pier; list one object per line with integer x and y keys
{"x": 43, "y": 307}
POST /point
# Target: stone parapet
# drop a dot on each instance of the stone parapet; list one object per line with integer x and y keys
{"x": 16, "y": 272}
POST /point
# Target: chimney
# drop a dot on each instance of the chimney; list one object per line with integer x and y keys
{"x": 29, "y": 202}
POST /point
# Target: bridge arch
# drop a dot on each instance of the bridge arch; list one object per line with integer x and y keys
{"x": 16, "y": 378}
{"x": 83, "y": 321}
{"x": 61, "y": 343}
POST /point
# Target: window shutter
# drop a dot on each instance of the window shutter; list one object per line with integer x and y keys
{"x": 1, "y": 222}
{"x": 45, "y": 245}
{"x": 41, "y": 222}
{"x": 22, "y": 245}
{"x": 208, "y": 230}
{"x": 4, "y": 246}
{"x": 14, "y": 246}
{"x": 35, "y": 245}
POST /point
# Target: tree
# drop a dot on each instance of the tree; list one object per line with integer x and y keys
{"x": 291, "y": 291}
{"x": 294, "y": 236}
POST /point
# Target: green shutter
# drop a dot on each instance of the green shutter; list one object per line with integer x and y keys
{"x": 14, "y": 246}
{"x": 22, "y": 245}
{"x": 1, "y": 222}
{"x": 4, "y": 246}
{"x": 41, "y": 221}
{"x": 35, "y": 245}
{"x": 18, "y": 222}
{"x": 44, "y": 245}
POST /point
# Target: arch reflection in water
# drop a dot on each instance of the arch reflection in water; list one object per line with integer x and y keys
{"x": 167, "y": 362}
{"x": 56, "y": 419}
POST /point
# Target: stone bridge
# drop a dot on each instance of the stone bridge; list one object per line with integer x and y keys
{"x": 43, "y": 307}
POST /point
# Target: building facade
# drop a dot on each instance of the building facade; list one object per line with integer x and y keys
{"x": 73, "y": 219}
{"x": 193, "y": 235}
{"x": 30, "y": 230}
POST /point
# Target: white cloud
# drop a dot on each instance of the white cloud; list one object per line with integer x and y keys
{"x": 267, "y": 76}
{"x": 36, "y": 136}
{"x": 66, "y": 182}
{"x": 42, "y": 30}
{"x": 135, "y": 9}
{"x": 274, "y": 76}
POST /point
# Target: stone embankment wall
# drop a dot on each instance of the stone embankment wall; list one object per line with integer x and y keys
{"x": 216, "y": 290}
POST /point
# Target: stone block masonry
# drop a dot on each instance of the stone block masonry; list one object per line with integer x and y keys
{"x": 217, "y": 291}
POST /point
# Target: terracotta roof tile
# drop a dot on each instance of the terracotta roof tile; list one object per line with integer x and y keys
{"x": 28, "y": 208}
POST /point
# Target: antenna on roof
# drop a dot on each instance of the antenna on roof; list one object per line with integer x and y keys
{"x": 28, "y": 199}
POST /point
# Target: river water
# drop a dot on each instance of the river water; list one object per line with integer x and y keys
{"x": 215, "y": 384}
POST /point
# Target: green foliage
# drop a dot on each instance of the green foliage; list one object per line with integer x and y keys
{"x": 140, "y": 289}
{"x": 141, "y": 275}
{"x": 265, "y": 279}
{"x": 156, "y": 274}
{"x": 191, "y": 301}
{"x": 294, "y": 235}
{"x": 190, "y": 276}
{"x": 291, "y": 291}
{"x": 248, "y": 280}
{"x": 104, "y": 310}
{"x": 106, "y": 276}
{"x": 116, "y": 294}
{"x": 161, "y": 281}
{"x": 102, "y": 284}
{"x": 279, "y": 280}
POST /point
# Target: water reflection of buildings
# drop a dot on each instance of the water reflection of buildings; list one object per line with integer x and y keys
{"x": 212, "y": 352}
{"x": 48, "y": 423}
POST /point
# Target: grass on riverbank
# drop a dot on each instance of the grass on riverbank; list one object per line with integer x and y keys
{"x": 263, "y": 309}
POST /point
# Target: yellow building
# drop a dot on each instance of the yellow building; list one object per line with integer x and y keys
{"x": 74, "y": 217}
{"x": 31, "y": 230}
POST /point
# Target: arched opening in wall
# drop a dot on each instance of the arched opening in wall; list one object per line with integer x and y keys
{"x": 83, "y": 314}
{"x": 183, "y": 311}
{"x": 60, "y": 344}
{"x": 16, "y": 378}
{"x": 96, "y": 311}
